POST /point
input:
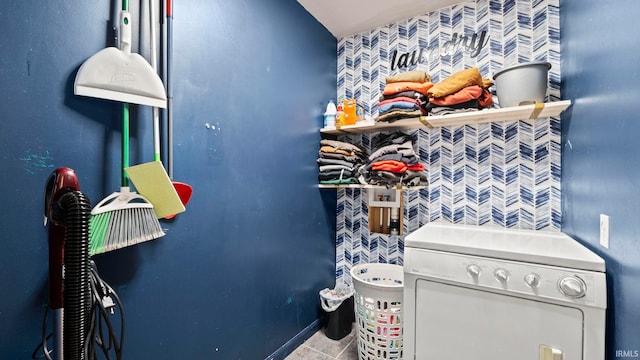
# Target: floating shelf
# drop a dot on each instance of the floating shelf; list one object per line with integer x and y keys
{"x": 533, "y": 111}
{"x": 364, "y": 186}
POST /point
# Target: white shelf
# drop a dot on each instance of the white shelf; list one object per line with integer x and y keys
{"x": 483, "y": 116}
{"x": 363, "y": 186}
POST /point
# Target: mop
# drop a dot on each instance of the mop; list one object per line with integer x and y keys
{"x": 123, "y": 218}
{"x": 184, "y": 190}
{"x": 151, "y": 179}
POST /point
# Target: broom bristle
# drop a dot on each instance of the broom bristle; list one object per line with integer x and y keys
{"x": 116, "y": 229}
{"x": 98, "y": 225}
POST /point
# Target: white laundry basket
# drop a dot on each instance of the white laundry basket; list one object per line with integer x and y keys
{"x": 378, "y": 307}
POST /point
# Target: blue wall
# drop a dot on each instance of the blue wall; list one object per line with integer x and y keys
{"x": 600, "y": 166}
{"x": 238, "y": 274}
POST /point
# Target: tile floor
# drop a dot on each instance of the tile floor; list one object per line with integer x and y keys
{"x": 320, "y": 347}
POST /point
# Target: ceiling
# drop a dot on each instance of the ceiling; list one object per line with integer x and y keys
{"x": 347, "y": 17}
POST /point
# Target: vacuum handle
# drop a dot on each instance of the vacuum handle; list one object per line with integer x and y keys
{"x": 60, "y": 179}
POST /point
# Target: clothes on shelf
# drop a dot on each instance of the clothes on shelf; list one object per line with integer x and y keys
{"x": 339, "y": 162}
{"x": 413, "y": 76}
{"x": 393, "y": 161}
{"x": 463, "y": 91}
{"x": 404, "y": 96}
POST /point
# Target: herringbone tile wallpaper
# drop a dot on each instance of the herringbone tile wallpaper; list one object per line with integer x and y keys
{"x": 503, "y": 173}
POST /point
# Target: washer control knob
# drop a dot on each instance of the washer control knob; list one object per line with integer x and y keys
{"x": 572, "y": 287}
{"x": 501, "y": 275}
{"x": 533, "y": 280}
{"x": 473, "y": 270}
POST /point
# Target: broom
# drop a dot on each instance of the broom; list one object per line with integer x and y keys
{"x": 123, "y": 218}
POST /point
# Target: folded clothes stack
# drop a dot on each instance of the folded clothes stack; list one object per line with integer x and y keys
{"x": 339, "y": 162}
{"x": 393, "y": 162}
{"x": 404, "y": 96}
{"x": 463, "y": 91}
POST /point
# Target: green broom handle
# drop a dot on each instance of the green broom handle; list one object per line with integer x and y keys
{"x": 125, "y": 143}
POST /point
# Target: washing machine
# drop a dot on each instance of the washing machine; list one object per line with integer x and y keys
{"x": 487, "y": 293}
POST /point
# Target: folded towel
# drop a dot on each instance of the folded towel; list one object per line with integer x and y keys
{"x": 327, "y": 168}
{"x": 332, "y": 155}
{"x": 389, "y": 165}
{"x": 471, "y": 104}
{"x": 396, "y": 137}
{"x": 397, "y": 87}
{"x": 414, "y": 76}
{"x": 334, "y": 174}
{"x": 342, "y": 145}
{"x": 400, "y": 98}
{"x": 397, "y": 105}
{"x": 405, "y": 149}
{"x": 330, "y": 149}
{"x": 328, "y": 161}
{"x": 463, "y": 95}
{"x": 349, "y": 180}
{"x": 409, "y": 93}
{"x": 455, "y": 82}
{"x": 398, "y": 114}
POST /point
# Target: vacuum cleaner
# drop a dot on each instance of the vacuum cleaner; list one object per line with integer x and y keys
{"x": 81, "y": 302}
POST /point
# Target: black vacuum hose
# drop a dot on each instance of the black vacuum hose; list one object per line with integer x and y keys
{"x": 73, "y": 210}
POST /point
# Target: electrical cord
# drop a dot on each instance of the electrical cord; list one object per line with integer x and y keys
{"x": 105, "y": 303}
{"x": 101, "y": 336}
{"x": 43, "y": 345}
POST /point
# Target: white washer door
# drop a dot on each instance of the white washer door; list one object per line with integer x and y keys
{"x": 459, "y": 323}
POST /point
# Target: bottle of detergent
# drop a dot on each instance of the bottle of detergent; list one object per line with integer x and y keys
{"x": 340, "y": 116}
{"x": 330, "y": 115}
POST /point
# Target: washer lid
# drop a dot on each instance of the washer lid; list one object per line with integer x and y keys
{"x": 541, "y": 247}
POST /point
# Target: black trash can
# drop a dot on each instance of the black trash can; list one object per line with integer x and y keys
{"x": 339, "y": 311}
{"x": 339, "y": 321}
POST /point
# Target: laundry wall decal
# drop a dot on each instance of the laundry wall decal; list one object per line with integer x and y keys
{"x": 473, "y": 45}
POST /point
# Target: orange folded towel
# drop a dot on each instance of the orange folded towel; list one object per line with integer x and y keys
{"x": 401, "y": 86}
{"x": 463, "y": 95}
{"x": 455, "y": 82}
{"x": 389, "y": 165}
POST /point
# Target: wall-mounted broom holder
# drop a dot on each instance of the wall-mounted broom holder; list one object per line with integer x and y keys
{"x": 385, "y": 211}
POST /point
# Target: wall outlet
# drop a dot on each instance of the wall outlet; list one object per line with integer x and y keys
{"x": 604, "y": 230}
